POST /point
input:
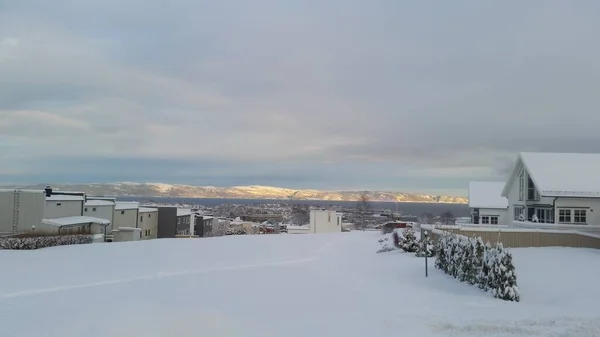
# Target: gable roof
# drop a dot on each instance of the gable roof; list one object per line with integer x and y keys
{"x": 486, "y": 194}
{"x": 560, "y": 174}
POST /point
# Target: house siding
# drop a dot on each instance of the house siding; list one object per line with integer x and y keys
{"x": 501, "y": 213}
{"x": 52, "y": 209}
{"x": 167, "y": 222}
{"x": 102, "y": 212}
{"x": 129, "y": 218}
{"x": 148, "y": 221}
{"x": 591, "y": 204}
{"x": 325, "y": 222}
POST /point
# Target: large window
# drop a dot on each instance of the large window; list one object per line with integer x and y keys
{"x": 532, "y": 193}
{"x": 522, "y": 185}
{"x": 564, "y": 215}
{"x": 518, "y": 210}
{"x": 579, "y": 216}
{"x": 545, "y": 215}
{"x": 488, "y": 220}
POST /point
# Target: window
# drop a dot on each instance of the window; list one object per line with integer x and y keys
{"x": 485, "y": 220}
{"x": 178, "y": 221}
{"x": 564, "y": 215}
{"x": 94, "y": 209}
{"x": 122, "y": 212}
{"x": 517, "y": 211}
{"x": 545, "y": 215}
{"x": 58, "y": 204}
{"x": 85, "y": 209}
{"x": 494, "y": 220}
{"x": 148, "y": 214}
{"x": 141, "y": 218}
{"x": 532, "y": 193}
{"x": 579, "y": 216}
{"x": 522, "y": 185}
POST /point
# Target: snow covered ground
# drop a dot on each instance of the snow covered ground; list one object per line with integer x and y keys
{"x": 285, "y": 286}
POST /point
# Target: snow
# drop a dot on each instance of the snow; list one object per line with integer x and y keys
{"x": 94, "y": 203}
{"x": 126, "y": 205}
{"x": 184, "y": 211}
{"x": 75, "y": 220}
{"x": 147, "y": 210}
{"x": 564, "y": 174}
{"x": 487, "y": 194}
{"x": 60, "y": 197}
{"x": 285, "y": 285}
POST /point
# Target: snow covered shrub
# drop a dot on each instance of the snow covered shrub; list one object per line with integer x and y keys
{"x": 36, "y": 242}
{"x": 408, "y": 241}
{"x": 425, "y": 248}
{"x": 469, "y": 260}
{"x": 386, "y": 245}
{"x": 396, "y": 238}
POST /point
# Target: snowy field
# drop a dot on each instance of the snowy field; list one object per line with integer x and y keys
{"x": 284, "y": 286}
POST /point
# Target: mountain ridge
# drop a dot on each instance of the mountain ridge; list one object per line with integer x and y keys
{"x": 155, "y": 189}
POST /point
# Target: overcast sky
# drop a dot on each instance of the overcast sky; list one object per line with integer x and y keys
{"x": 329, "y": 94}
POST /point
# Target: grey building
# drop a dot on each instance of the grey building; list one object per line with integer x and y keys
{"x": 167, "y": 222}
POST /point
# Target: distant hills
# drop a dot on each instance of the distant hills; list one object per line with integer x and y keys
{"x": 239, "y": 192}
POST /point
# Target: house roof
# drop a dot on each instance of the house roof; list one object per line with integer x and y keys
{"x": 560, "y": 174}
{"x": 125, "y": 205}
{"x": 75, "y": 220}
{"x": 147, "y": 210}
{"x": 60, "y": 197}
{"x": 94, "y": 203}
{"x": 184, "y": 211}
{"x": 486, "y": 194}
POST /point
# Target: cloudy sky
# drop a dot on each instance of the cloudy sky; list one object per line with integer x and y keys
{"x": 329, "y": 94}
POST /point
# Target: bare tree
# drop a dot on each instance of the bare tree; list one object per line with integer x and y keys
{"x": 363, "y": 210}
{"x": 447, "y": 217}
{"x": 300, "y": 215}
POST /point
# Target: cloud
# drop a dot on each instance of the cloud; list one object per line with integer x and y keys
{"x": 337, "y": 94}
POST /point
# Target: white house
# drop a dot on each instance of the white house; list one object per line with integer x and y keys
{"x": 60, "y": 206}
{"x": 488, "y": 206}
{"x": 126, "y": 214}
{"x": 101, "y": 208}
{"x": 322, "y": 221}
{"x": 148, "y": 222}
{"x": 555, "y": 187}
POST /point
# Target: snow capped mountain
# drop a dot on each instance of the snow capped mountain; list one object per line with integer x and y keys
{"x": 155, "y": 189}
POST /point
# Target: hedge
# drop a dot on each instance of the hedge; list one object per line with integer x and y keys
{"x": 28, "y": 243}
{"x": 469, "y": 260}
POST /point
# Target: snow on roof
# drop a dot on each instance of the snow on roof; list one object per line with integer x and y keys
{"x": 183, "y": 211}
{"x": 486, "y": 194}
{"x": 125, "y": 205}
{"x": 99, "y": 203}
{"x": 147, "y": 210}
{"x": 21, "y": 190}
{"x": 60, "y": 197}
{"x": 564, "y": 174}
{"x": 75, "y": 220}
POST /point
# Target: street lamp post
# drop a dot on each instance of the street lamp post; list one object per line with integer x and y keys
{"x": 425, "y": 250}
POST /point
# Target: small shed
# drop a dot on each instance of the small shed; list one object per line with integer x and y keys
{"x": 75, "y": 225}
{"x": 126, "y": 234}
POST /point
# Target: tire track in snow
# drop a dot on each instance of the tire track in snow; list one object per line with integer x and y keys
{"x": 160, "y": 275}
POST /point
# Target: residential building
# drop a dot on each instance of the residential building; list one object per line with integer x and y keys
{"x": 62, "y": 205}
{"x": 184, "y": 217}
{"x": 324, "y": 221}
{"x": 555, "y": 188}
{"x": 21, "y": 210}
{"x": 100, "y": 208}
{"x": 167, "y": 222}
{"x": 126, "y": 214}
{"x": 488, "y": 206}
{"x": 148, "y": 222}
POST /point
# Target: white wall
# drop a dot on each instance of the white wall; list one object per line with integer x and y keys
{"x": 125, "y": 218}
{"x": 102, "y": 212}
{"x": 54, "y": 209}
{"x": 592, "y": 206}
{"x": 148, "y": 223}
{"x": 325, "y": 221}
{"x": 501, "y": 213}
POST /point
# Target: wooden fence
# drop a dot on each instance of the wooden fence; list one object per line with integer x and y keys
{"x": 515, "y": 238}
